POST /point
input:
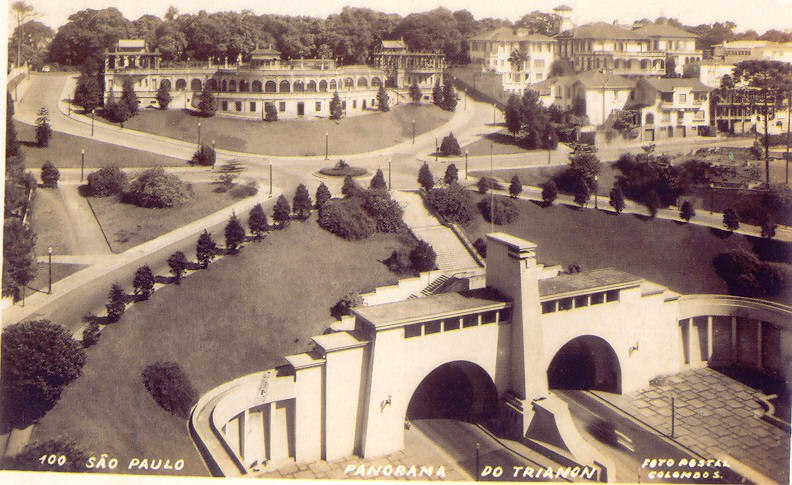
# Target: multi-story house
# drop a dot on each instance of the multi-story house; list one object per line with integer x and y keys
{"x": 518, "y": 56}
{"x": 406, "y": 68}
{"x": 736, "y": 51}
{"x": 672, "y": 107}
{"x": 594, "y": 94}
{"x": 643, "y": 51}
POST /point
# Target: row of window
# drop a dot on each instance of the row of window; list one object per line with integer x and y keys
{"x": 283, "y": 86}
{"x": 238, "y": 105}
{"x": 569, "y": 303}
{"x": 450, "y": 324}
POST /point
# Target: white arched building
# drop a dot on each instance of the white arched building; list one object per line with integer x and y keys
{"x": 296, "y": 88}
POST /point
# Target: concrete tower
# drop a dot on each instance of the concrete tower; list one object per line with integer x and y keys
{"x": 565, "y": 13}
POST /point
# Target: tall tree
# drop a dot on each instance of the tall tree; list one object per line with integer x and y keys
{"x": 39, "y": 359}
{"x": 449, "y": 96}
{"x": 513, "y": 115}
{"x": 128, "y": 95}
{"x": 87, "y": 94}
{"x": 336, "y": 108}
{"x": 437, "y": 94}
{"x": 164, "y": 96}
{"x": 515, "y": 187}
{"x": 617, "y": 199}
{"x": 87, "y": 34}
{"x": 143, "y": 283}
{"x": 22, "y": 11}
{"x": 116, "y": 304}
{"x": 49, "y": 175}
{"x": 425, "y": 178}
{"x": 207, "y": 104}
{"x": 322, "y": 195}
{"x": 382, "y": 99}
{"x": 178, "y": 264}
{"x": 205, "y": 249}
{"x": 32, "y": 39}
{"x": 43, "y": 129}
{"x": 415, "y": 93}
{"x": 451, "y": 175}
{"x": 257, "y": 222}
{"x": 378, "y": 181}
{"x": 234, "y": 234}
{"x": 281, "y": 213}
{"x": 770, "y": 78}
{"x": 301, "y": 204}
{"x": 19, "y": 260}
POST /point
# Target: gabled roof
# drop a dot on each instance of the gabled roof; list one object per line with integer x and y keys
{"x": 265, "y": 53}
{"x": 599, "y": 80}
{"x": 508, "y": 34}
{"x": 667, "y": 85}
{"x": 663, "y": 30}
{"x": 600, "y": 30}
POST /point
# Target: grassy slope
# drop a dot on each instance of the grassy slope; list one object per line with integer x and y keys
{"x": 240, "y": 316}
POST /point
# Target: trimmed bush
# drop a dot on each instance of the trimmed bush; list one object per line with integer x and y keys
{"x": 240, "y": 191}
{"x": 450, "y": 146}
{"x": 346, "y": 219}
{"x": 746, "y": 275}
{"x": 171, "y": 389}
{"x": 91, "y": 334}
{"x": 107, "y": 181}
{"x": 322, "y": 195}
{"x": 486, "y": 183}
{"x": 49, "y": 175}
{"x": 343, "y": 169}
{"x": 481, "y": 247}
{"x": 452, "y": 202}
{"x": 505, "y": 211}
{"x": 204, "y": 156}
{"x": 386, "y": 212}
{"x": 549, "y": 192}
{"x": 155, "y": 188}
{"x": 399, "y": 262}
{"x": 423, "y": 257}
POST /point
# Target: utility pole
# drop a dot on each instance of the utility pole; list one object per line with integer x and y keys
{"x": 270, "y": 180}
{"x": 466, "y": 164}
{"x": 82, "y": 164}
{"x": 327, "y": 143}
{"x": 390, "y": 185}
{"x": 492, "y": 192}
{"x": 49, "y": 255}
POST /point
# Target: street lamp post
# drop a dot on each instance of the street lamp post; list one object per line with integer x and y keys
{"x": 596, "y": 187}
{"x": 466, "y": 164}
{"x": 214, "y": 155}
{"x": 327, "y": 143}
{"x": 712, "y": 197}
{"x": 493, "y": 113}
{"x": 437, "y": 149}
{"x": 199, "y": 134}
{"x": 390, "y": 183}
{"x": 82, "y": 164}
{"x": 49, "y": 257}
{"x": 270, "y": 180}
{"x": 92, "y": 123}
{"x": 413, "y": 132}
{"x": 478, "y": 447}
{"x": 465, "y": 91}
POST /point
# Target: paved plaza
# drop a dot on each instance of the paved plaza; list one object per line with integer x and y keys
{"x": 716, "y": 416}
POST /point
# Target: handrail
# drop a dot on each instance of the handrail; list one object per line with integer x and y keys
{"x": 727, "y": 305}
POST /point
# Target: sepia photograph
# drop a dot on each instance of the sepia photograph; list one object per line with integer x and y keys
{"x": 367, "y": 240}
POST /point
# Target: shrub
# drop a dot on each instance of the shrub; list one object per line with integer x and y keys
{"x": 378, "y": 181}
{"x": 116, "y": 304}
{"x": 107, "y": 181}
{"x": 450, "y": 146}
{"x": 346, "y": 219}
{"x": 350, "y": 188}
{"x": 178, "y": 264}
{"x": 768, "y": 226}
{"x": 155, "y": 188}
{"x": 163, "y": 96}
{"x": 257, "y": 222}
{"x": 422, "y": 257}
{"x": 207, "y": 104}
{"x": 399, "y": 262}
{"x": 143, "y": 283}
{"x": 343, "y": 169}
{"x": 687, "y": 211}
{"x": 271, "y": 113}
{"x": 452, "y": 202}
{"x": 49, "y": 175}
{"x": 652, "y": 202}
{"x": 240, "y": 191}
{"x": 746, "y": 275}
{"x": 730, "y": 220}
{"x": 549, "y": 192}
{"x": 451, "y": 175}
{"x": 617, "y": 199}
{"x": 348, "y": 301}
{"x": 171, "y": 389}
{"x": 205, "y": 156}
{"x": 481, "y": 247}
{"x": 515, "y": 187}
{"x": 486, "y": 183}
{"x": 505, "y": 211}
{"x": 387, "y": 213}
{"x": 91, "y": 334}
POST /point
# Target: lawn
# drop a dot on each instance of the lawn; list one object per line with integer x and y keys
{"x": 536, "y": 176}
{"x": 59, "y": 271}
{"x": 501, "y": 141}
{"x": 64, "y": 151}
{"x": 127, "y": 225}
{"x": 50, "y": 221}
{"x": 356, "y": 134}
{"x": 676, "y": 255}
{"x": 240, "y": 316}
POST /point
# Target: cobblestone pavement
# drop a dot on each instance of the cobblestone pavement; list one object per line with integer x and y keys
{"x": 715, "y": 416}
{"x": 418, "y": 452}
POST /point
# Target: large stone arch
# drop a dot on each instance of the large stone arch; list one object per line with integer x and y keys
{"x": 299, "y": 86}
{"x": 311, "y": 86}
{"x": 376, "y": 82}
{"x": 195, "y": 85}
{"x": 232, "y": 85}
{"x": 257, "y": 86}
{"x": 181, "y": 84}
{"x": 244, "y": 86}
{"x": 362, "y": 82}
{"x": 224, "y": 85}
{"x": 211, "y": 84}
{"x": 270, "y": 87}
{"x": 585, "y": 362}
{"x": 322, "y": 86}
{"x": 284, "y": 87}
{"x": 349, "y": 82}
{"x": 458, "y": 389}
{"x": 166, "y": 84}
{"x": 333, "y": 85}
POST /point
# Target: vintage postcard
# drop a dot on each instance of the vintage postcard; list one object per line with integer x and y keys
{"x": 445, "y": 240}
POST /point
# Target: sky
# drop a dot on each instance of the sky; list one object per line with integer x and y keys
{"x": 759, "y": 15}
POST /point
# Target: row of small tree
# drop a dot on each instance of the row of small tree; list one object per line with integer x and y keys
{"x": 444, "y": 95}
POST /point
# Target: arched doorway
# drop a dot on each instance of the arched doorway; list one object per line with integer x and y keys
{"x": 457, "y": 390}
{"x": 585, "y": 362}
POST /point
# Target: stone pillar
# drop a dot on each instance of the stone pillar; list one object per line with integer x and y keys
{"x": 512, "y": 270}
{"x": 279, "y": 432}
{"x": 709, "y": 338}
{"x": 733, "y": 339}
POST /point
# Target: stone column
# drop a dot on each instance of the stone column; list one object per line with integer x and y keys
{"x": 709, "y": 338}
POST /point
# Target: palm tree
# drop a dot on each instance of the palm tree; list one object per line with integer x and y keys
{"x": 23, "y": 12}
{"x": 517, "y": 59}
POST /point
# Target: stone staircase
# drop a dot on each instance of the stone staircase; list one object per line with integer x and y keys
{"x": 452, "y": 255}
{"x": 431, "y": 288}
